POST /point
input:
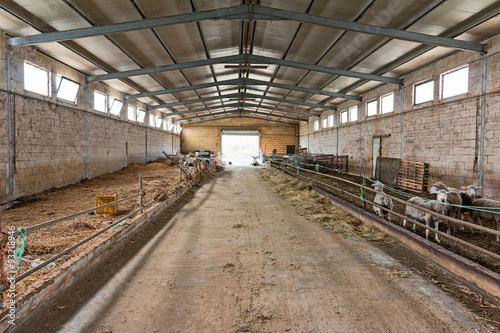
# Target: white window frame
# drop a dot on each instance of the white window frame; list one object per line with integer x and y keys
{"x": 170, "y": 125}
{"x": 331, "y": 120}
{"x": 344, "y": 117}
{"x": 383, "y": 104}
{"x": 67, "y": 86}
{"x": 105, "y": 99}
{"x": 32, "y": 74}
{"x": 415, "y": 90}
{"x": 353, "y": 110}
{"x": 141, "y": 116}
{"x": 453, "y": 74}
{"x": 324, "y": 123}
{"x": 316, "y": 125}
{"x": 115, "y": 107}
{"x": 369, "y": 107}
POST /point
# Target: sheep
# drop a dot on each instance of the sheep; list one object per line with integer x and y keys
{"x": 454, "y": 198}
{"x": 421, "y": 216}
{"x": 487, "y": 204}
{"x": 383, "y": 201}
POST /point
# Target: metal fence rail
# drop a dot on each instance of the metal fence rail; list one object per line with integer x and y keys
{"x": 295, "y": 171}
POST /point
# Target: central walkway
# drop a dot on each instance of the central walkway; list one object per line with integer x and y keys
{"x": 236, "y": 258}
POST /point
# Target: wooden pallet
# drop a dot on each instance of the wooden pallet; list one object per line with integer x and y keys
{"x": 413, "y": 176}
{"x": 339, "y": 162}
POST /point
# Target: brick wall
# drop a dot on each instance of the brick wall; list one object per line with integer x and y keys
{"x": 444, "y": 133}
{"x": 59, "y": 143}
{"x": 208, "y": 135}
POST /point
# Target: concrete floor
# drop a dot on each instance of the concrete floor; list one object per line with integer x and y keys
{"x": 235, "y": 257}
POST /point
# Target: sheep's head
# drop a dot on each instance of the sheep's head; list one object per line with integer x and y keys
{"x": 470, "y": 190}
{"x": 442, "y": 195}
{"x": 379, "y": 187}
{"x": 436, "y": 187}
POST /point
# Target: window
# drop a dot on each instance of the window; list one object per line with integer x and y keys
{"x": 372, "y": 108}
{"x": 353, "y": 113}
{"x": 130, "y": 113}
{"x": 455, "y": 82}
{"x": 343, "y": 117}
{"x": 165, "y": 125}
{"x": 170, "y": 125}
{"x": 325, "y": 123}
{"x": 424, "y": 91}
{"x": 36, "y": 79}
{"x": 152, "y": 119}
{"x": 67, "y": 89}
{"x": 158, "y": 121}
{"x": 316, "y": 125}
{"x": 99, "y": 101}
{"x": 116, "y": 107}
{"x": 330, "y": 120}
{"x": 141, "y": 114}
{"x": 387, "y": 103}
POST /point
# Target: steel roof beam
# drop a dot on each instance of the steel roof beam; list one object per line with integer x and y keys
{"x": 166, "y": 68}
{"x": 242, "y": 81}
{"x": 238, "y": 111}
{"x": 247, "y": 12}
{"x": 239, "y": 105}
{"x": 242, "y": 96}
{"x": 242, "y": 58}
{"x": 240, "y": 116}
{"x": 316, "y": 68}
{"x": 129, "y": 26}
{"x": 369, "y": 29}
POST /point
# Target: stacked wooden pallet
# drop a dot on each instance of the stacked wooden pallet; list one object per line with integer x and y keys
{"x": 413, "y": 176}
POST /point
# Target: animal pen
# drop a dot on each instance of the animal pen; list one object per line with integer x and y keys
{"x": 476, "y": 243}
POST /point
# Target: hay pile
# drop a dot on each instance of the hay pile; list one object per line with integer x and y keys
{"x": 318, "y": 209}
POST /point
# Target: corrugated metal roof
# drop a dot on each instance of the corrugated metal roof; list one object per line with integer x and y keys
{"x": 258, "y": 30}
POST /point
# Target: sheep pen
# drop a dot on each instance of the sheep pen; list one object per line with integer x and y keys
{"x": 351, "y": 193}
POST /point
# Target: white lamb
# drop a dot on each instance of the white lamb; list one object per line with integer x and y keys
{"x": 421, "y": 216}
{"x": 383, "y": 201}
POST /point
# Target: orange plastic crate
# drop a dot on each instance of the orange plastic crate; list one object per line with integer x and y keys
{"x": 104, "y": 199}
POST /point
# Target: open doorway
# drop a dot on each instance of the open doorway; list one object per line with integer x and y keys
{"x": 239, "y": 146}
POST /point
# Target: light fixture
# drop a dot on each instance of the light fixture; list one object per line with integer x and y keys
{"x": 246, "y": 66}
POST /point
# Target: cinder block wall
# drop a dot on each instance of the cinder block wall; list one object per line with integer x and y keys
{"x": 208, "y": 135}
{"x": 444, "y": 133}
{"x": 56, "y": 143}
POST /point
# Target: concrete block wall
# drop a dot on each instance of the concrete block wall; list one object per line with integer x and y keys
{"x": 208, "y": 136}
{"x": 3, "y": 145}
{"x": 446, "y": 133}
{"x": 55, "y": 142}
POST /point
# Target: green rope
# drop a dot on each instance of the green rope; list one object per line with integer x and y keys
{"x": 317, "y": 167}
{"x": 362, "y": 196}
{"x": 20, "y": 251}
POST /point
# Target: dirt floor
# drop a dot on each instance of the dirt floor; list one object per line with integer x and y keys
{"x": 237, "y": 257}
{"x": 55, "y": 203}
{"x": 483, "y": 240}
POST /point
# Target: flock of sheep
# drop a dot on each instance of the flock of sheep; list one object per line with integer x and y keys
{"x": 449, "y": 201}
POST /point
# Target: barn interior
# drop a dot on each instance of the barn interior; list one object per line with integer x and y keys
{"x": 139, "y": 104}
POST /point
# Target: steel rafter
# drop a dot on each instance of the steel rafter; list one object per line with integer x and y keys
{"x": 238, "y": 111}
{"x": 241, "y": 96}
{"x": 247, "y": 12}
{"x": 239, "y": 105}
{"x": 240, "y": 116}
{"x": 243, "y": 58}
{"x": 242, "y": 82}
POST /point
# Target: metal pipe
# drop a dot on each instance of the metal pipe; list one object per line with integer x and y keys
{"x": 483, "y": 125}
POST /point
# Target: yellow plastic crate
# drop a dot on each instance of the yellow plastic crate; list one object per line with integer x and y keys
{"x": 104, "y": 199}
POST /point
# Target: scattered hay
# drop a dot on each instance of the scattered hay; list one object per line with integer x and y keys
{"x": 318, "y": 209}
{"x": 394, "y": 272}
{"x": 238, "y": 226}
{"x": 229, "y": 267}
